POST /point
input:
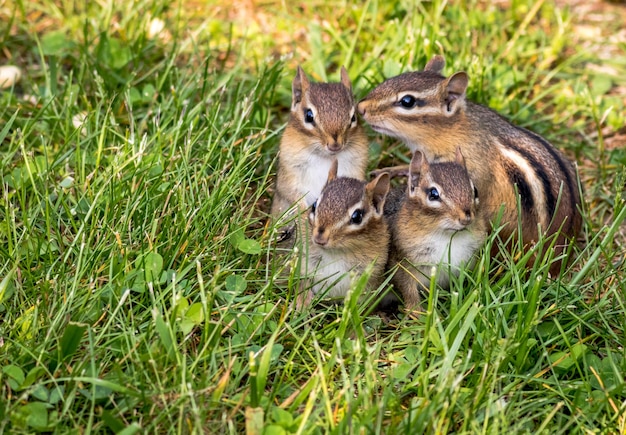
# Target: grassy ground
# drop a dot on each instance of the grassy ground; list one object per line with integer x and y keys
{"x": 137, "y": 289}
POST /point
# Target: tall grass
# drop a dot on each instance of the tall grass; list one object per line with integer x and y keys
{"x": 140, "y": 290}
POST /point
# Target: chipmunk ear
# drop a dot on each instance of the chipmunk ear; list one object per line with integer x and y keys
{"x": 460, "y": 159}
{"x": 455, "y": 87}
{"x": 417, "y": 166}
{"x": 332, "y": 172}
{"x": 435, "y": 64}
{"x": 345, "y": 79}
{"x": 299, "y": 86}
{"x": 377, "y": 190}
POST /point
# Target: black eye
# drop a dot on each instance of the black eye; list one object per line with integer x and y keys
{"x": 357, "y": 217}
{"x": 475, "y": 193}
{"x": 313, "y": 207}
{"x": 308, "y": 116}
{"x": 433, "y": 194}
{"x": 407, "y": 101}
{"x": 353, "y": 120}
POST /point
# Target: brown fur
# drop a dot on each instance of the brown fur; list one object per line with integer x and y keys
{"x": 339, "y": 245}
{"x": 307, "y": 149}
{"x": 443, "y": 233}
{"x": 503, "y": 160}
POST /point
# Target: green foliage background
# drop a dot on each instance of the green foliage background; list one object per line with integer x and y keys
{"x": 138, "y": 291}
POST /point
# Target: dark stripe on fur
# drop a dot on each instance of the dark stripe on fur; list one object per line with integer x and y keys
{"x": 526, "y": 197}
{"x": 540, "y": 173}
{"x": 565, "y": 169}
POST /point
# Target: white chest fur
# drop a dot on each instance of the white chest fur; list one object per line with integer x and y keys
{"x": 314, "y": 171}
{"x": 447, "y": 251}
{"x": 330, "y": 273}
{"x": 456, "y": 248}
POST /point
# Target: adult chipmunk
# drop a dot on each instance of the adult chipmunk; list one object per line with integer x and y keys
{"x": 322, "y": 127}
{"x": 430, "y": 113}
{"x": 347, "y": 234}
{"x": 433, "y": 225}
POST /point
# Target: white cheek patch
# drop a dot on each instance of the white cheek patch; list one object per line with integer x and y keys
{"x": 416, "y": 111}
{"x": 353, "y": 117}
{"x": 433, "y": 204}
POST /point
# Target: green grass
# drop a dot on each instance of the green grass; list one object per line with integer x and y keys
{"x": 138, "y": 290}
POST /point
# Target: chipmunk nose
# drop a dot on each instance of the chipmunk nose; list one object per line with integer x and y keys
{"x": 319, "y": 238}
{"x": 334, "y": 146}
{"x": 466, "y": 219}
{"x": 361, "y": 107}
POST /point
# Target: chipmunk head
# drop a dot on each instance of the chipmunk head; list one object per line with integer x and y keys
{"x": 443, "y": 191}
{"x": 325, "y": 112}
{"x": 347, "y": 210}
{"x": 411, "y": 104}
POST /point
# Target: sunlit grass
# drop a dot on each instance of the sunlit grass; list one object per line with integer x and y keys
{"x": 139, "y": 287}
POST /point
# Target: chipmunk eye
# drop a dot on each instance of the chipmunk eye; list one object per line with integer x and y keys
{"x": 475, "y": 193}
{"x": 353, "y": 120}
{"x": 407, "y": 101}
{"x": 357, "y": 217}
{"x": 433, "y": 194}
{"x": 314, "y": 207}
{"x": 308, "y": 116}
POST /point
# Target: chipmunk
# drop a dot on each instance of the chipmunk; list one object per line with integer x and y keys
{"x": 322, "y": 127}
{"x": 433, "y": 224}
{"x": 429, "y": 112}
{"x": 348, "y": 233}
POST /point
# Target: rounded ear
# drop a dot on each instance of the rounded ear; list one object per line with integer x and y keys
{"x": 377, "y": 189}
{"x": 345, "y": 79}
{"x": 457, "y": 83}
{"x": 418, "y": 165}
{"x": 460, "y": 159}
{"x": 435, "y": 64}
{"x": 332, "y": 172}
{"x": 299, "y": 86}
{"x": 455, "y": 86}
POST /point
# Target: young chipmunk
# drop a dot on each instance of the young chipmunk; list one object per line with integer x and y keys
{"x": 434, "y": 224}
{"x": 430, "y": 113}
{"x": 347, "y": 234}
{"x": 322, "y": 127}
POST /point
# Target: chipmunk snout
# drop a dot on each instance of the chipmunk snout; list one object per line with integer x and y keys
{"x": 465, "y": 217}
{"x": 319, "y": 237}
{"x": 361, "y": 107}
{"x": 334, "y": 146}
